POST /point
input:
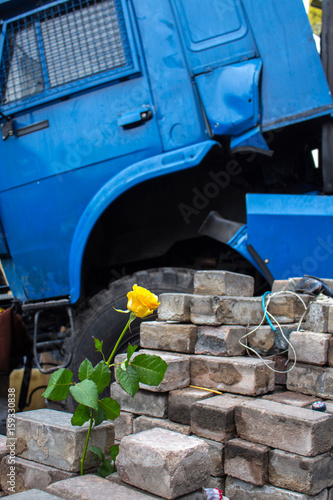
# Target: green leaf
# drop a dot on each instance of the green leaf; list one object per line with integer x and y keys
{"x": 128, "y": 379}
{"x": 85, "y": 370}
{"x": 150, "y": 368}
{"x": 98, "y": 452}
{"x": 98, "y": 345}
{"x": 114, "y": 451}
{"x": 81, "y": 415}
{"x": 101, "y": 376}
{"x": 130, "y": 351}
{"x": 86, "y": 393}
{"x": 99, "y": 415}
{"x": 105, "y": 469}
{"x": 111, "y": 408}
{"x": 59, "y": 385}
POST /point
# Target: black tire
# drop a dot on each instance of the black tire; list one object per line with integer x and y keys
{"x": 100, "y": 320}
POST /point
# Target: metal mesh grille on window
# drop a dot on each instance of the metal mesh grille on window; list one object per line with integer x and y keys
{"x": 63, "y": 44}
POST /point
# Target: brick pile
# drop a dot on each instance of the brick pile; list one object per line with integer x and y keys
{"x": 263, "y": 438}
{"x": 253, "y": 434}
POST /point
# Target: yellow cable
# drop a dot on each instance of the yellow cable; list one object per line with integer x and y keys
{"x": 204, "y": 389}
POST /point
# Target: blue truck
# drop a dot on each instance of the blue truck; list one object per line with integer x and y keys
{"x": 143, "y": 139}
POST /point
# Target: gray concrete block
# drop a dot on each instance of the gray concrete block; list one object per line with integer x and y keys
{"x": 308, "y": 475}
{"x": 90, "y": 487}
{"x": 166, "y": 336}
{"x": 247, "y": 461}
{"x": 215, "y": 310}
{"x": 238, "y": 375}
{"x": 220, "y": 340}
{"x": 214, "y": 418}
{"x": 123, "y": 425}
{"x": 28, "y": 475}
{"x": 144, "y": 402}
{"x": 181, "y": 400}
{"x": 223, "y": 283}
{"x": 3, "y": 447}
{"x": 33, "y": 494}
{"x": 310, "y": 347}
{"x": 291, "y": 398}
{"x": 311, "y": 379}
{"x": 144, "y": 423}
{"x": 163, "y": 462}
{"x": 297, "y": 430}
{"x": 317, "y": 319}
{"x": 235, "y": 489}
{"x": 48, "y": 437}
{"x": 177, "y": 374}
{"x": 174, "y": 307}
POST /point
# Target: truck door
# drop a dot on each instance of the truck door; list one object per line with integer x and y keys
{"x": 78, "y": 108}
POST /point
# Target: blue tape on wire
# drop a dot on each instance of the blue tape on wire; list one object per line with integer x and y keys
{"x": 263, "y": 303}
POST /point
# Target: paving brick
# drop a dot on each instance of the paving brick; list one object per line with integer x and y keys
{"x": 123, "y": 425}
{"x": 330, "y": 319}
{"x": 223, "y": 283}
{"x": 89, "y": 487}
{"x": 28, "y": 475}
{"x": 265, "y": 341}
{"x": 297, "y": 430}
{"x": 216, "y": 453}
{"x": 330, "y": 353}
{"x": 236, "y": 489}
{"x": 168, "y": 336}
{"x": 287, "y": 308}
{"x": 291, "y": 398}
{"x": 247, "y": 461}
{"x": 48, "y": 437}
{"x": 317, "y": 318}
{"x": 3, "y": 447}
{"x": 214, "y": 310}
{"x": 281, "y": 365}
{"x": 176, "y": 376}
{"x": 143, "y": 403}
{"x": 238, "y": 375}
{"x": 181, "y": 400}
{"x": 163, "y": 462}
{"x": 220, "y": 340}
{"x": 195, "y": 495}
{"x": 310, "y": 347}
{"x": 174, "y": 307}
{"x": 216, "y": 482}
{"x": 311, "y": 379}
{"x": 214, "y": 418}
{"x": 33, "y": 494}
{"x": 144, "y": 423}
{"x": 308, "y": 475}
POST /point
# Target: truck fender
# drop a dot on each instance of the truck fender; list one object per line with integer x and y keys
{"x": 136, "y": 173}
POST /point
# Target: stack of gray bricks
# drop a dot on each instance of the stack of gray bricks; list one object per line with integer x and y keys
{"x": 263, "y": 438}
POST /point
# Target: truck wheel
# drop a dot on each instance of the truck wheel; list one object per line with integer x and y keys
{"x": 100, "y": 320}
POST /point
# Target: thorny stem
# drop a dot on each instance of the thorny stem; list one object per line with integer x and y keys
{"x": 87, "y": 440}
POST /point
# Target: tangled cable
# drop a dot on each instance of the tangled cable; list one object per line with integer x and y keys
{"x": 269, "y": 317}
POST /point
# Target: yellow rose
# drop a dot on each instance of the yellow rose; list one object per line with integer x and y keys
{"x": 142, "y": 302}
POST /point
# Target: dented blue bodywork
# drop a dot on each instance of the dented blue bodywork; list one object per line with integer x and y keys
{"x": 190, "y": 75}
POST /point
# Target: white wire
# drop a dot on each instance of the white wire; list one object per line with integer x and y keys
{"x": 267, "y": 313}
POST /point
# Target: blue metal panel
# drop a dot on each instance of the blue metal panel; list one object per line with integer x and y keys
{"x": 146, "y": 169}
{"x": 230, "y": 96}
{"x": 179, "y": 118}
{"x": 294, "y": 86}
{"x": 215, "y": 33}
{"x": 292, "y": 233}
